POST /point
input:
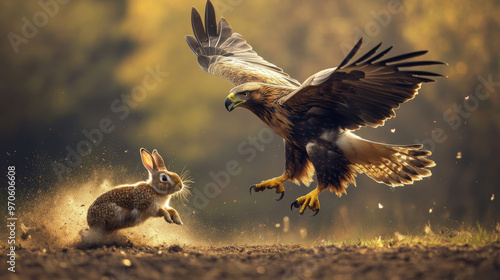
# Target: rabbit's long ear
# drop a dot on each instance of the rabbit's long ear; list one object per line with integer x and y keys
{"x": 148, "y": 160}
{"x": 158, "y": 160}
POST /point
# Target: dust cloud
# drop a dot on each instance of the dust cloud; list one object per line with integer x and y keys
{"x": 57, "y": 218}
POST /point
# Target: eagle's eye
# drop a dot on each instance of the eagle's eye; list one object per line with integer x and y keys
{"x": 244, "y": 94}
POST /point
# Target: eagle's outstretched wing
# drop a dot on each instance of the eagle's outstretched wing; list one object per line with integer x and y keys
{"x": 365, "y": 92}
{"x": 227, "y": 54}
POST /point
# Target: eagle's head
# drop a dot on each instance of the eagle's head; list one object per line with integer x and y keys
{"x": 247, "y": 95}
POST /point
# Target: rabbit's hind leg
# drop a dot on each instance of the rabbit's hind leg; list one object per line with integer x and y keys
{"x": 97, "y": 216}
{"x": 107, "y": 217}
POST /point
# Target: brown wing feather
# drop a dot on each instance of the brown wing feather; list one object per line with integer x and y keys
{"x": 228, "y": 55}
{"x": 365, "y": 92}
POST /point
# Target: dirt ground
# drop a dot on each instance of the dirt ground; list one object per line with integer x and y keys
{"x": 126, "y": 262}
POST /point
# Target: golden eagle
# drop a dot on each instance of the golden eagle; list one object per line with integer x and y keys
{"x": 316, "y": 118}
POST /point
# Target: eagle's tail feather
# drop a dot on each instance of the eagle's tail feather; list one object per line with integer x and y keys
{"x": 394, "y": 165}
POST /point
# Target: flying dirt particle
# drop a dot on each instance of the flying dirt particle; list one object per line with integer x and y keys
{"x": 380, "y": 206}
{"x": 277, "y": 225}
{"x": 126, "y": 262}
{"x": 459, "y": 155}
{"x": 430, "y": 210}
{"x": 261, "y": 270}
{"x": 393, "y": 130}
{"x": 303, "y": 233}
{"x": 286, "y": 224}
{"x": 160, "y": 252}
{"x": 492, "y": 197}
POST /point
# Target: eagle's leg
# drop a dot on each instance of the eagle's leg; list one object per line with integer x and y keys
{"x": 310, "y": 200}
{"x": 274, "y": 183}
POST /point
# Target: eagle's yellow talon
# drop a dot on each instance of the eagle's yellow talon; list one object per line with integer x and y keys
{"x": 309, "y": 200}
{"x": 275, "y": 183}
{"x": 303, "y": 208}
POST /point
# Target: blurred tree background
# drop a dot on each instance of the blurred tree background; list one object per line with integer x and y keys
{"x": 67, "y": 66}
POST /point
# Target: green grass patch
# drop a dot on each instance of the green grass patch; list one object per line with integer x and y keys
{"x": 471, "y": 235}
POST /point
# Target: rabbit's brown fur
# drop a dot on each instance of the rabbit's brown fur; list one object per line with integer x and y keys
{"x": 129, "y": 205}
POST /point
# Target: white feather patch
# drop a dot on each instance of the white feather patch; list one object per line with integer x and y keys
{"x": 309, "y": 147}
{"x": 358, "y": 150}
{"x": 328, "y": 135}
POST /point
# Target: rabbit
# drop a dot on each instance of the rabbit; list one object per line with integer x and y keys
{"x": 130, "y": 205}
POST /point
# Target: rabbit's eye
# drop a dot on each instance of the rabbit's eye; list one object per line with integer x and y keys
{"x": 163, "y": 178}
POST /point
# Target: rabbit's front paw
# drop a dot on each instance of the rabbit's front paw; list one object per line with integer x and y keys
{"x": 171, "y": 216}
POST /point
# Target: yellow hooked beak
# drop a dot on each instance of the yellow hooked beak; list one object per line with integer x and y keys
{"x": 233, "y": 101}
